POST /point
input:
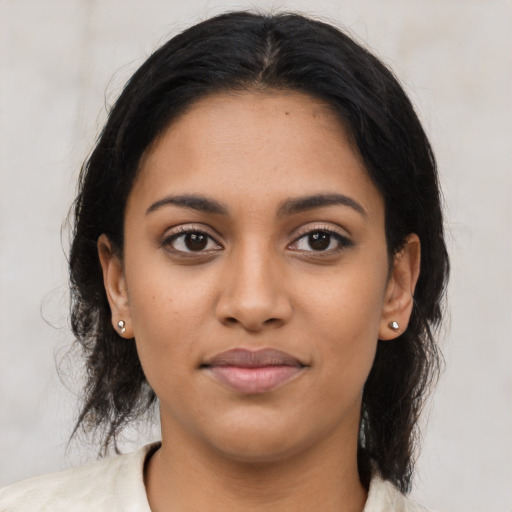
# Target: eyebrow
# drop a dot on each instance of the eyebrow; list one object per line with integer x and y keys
{"x": 302, "y": 204}
{"x": 288, "y": 207}
{"x": 194, "y": 202}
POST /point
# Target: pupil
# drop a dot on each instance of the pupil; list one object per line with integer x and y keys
{"x": 195, "y": 241}
{"x": 319, "y": 241}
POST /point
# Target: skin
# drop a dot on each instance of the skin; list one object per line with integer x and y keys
{"x": 257, "y": 284}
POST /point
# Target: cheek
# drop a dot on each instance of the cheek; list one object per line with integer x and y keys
{"x": 344, "y": 319}
{"x": 167, "y": 312}
{"x": 163, "y": 296}
{"x": 347, "y": 304}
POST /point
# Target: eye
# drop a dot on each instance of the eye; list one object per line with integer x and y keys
{"x": 321, "y": 240}
{"x": 188, "y": 241}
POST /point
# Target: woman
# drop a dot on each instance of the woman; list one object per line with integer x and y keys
{"x": 258, "y": 248}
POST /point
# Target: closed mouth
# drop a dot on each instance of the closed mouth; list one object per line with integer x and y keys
{"x": 253, "y": 372}
{"x": 243, "y": 358}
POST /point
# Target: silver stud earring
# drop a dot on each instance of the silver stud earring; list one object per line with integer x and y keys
{"x": 121, "y": 326}
{"x": 394, "y": 325}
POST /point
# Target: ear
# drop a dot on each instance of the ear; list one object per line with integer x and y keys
{"x": 115, "y": 287}
{"x": 399, "y": 298}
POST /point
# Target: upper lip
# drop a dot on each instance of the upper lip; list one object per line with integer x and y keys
{"x": 243, "y": 358}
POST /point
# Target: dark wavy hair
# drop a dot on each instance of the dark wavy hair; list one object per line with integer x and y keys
{"x": 250, "y": 51}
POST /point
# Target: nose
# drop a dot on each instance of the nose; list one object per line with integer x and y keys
{"x": 253, "y": 294}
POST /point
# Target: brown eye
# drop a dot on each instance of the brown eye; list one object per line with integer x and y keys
{"x": 191, "y": 241}
{"x": 319, "y": 241}
{"x": 195, "y": 241}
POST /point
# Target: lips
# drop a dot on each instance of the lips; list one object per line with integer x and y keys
{"x": 253, "y": 372}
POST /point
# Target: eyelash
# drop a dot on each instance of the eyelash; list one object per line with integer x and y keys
{"x": 181, "y": 233}
{"x": 343, "y": 242}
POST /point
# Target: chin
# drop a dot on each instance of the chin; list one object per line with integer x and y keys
{"x": 261, "y": 442}
{"x": 258, "y": 452}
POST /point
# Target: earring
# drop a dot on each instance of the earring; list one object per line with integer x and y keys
{"x": 394, "y": 325}
{"x": 121, "y": 326}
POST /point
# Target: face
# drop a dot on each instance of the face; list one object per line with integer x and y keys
{"x": 255, "y": 276}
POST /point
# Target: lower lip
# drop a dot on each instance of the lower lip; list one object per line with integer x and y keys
{"x": 253, "y": 381}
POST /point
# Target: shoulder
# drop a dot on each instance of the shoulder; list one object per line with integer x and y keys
{"x": 383, "y": 496}
{"x": 112, "y": 484}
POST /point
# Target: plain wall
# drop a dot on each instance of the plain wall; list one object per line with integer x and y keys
{"x": 63, "y": 61}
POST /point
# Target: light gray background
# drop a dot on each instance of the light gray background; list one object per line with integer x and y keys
{"x": 62, "y": 61}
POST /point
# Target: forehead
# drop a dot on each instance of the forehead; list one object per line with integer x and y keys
{"x": 247, "y": 144}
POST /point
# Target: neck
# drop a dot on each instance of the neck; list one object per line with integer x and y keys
{"x": 319, "y": 478}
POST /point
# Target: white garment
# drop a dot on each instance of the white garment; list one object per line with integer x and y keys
{"x": 115, "y": 484}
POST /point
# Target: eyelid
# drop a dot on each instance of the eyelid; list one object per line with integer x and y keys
{"x": 344, "y": 239}
{"x": 174, "y": 233}
{"x": 192, "y": 228}
{"x": 310, "y": 228}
